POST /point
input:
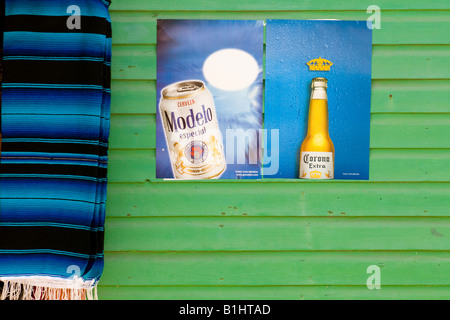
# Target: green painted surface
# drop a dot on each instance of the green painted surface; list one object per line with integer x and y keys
{"x": 280, "y": 233}
{"x": 275, "y": 268}
{"x": 286, "y": 239}
{"x": 388, "y": 62}
{"x": 274, "y": 292}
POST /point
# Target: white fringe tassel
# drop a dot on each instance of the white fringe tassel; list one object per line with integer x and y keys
{"x": 46, "y": 288}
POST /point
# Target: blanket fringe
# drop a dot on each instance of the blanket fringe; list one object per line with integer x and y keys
{"x": 26, "y": 290}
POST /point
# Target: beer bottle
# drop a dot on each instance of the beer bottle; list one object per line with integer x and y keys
{"x": 317, "y": 150}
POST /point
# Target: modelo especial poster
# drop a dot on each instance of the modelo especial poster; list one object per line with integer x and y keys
{"x": 209, "y": 99}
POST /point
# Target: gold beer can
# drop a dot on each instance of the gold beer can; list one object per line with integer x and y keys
{"x": 191, "y": 129}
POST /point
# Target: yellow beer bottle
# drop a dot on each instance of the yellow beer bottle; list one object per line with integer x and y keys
{"x": 317, "y": 150}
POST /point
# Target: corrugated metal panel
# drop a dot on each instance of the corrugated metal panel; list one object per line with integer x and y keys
{"x": 286, "y": 239}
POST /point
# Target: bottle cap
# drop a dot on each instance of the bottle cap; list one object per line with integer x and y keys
{"x": 319, "y": 83}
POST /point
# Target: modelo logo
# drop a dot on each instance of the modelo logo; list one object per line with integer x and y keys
{"x": 191, "y": 121}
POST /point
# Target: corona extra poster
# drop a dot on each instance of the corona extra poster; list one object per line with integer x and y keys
{"x": 209, "y": 99}
{"x": 317, "y": 69}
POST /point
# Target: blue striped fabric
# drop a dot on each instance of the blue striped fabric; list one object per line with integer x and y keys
{"x": 57, "y": 8}
{"x": 55, "y": 111}
{"x": 40, "y": 45}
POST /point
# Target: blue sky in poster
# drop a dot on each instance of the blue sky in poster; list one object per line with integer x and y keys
{"x": 290, "y": 44}
{"x": 183, "y": 46}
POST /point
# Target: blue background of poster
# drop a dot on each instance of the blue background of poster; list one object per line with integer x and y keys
{"x": 290, "y": 44}
{"x": 182, "y": 48}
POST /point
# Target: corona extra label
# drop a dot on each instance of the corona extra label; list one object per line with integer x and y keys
{"x": 191, "y": 130}
{"x": 317, "y": 149}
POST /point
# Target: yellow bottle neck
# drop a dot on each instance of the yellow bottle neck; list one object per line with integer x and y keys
{"x": 318, "y": 112}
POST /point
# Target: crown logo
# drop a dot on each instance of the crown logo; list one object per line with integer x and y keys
{"x": 319, "y": 64}
{"x": 315, "y": 174}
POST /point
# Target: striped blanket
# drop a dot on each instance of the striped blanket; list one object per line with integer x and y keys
{"x": 55, "y": 106}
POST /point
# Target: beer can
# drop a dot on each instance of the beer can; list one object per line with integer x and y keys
{"x": 191, "y": 129}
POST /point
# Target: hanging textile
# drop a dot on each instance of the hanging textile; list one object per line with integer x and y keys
{"x": 55, "y": 106}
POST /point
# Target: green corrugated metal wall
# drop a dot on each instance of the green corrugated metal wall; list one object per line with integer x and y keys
{"x": 286, "y": 239}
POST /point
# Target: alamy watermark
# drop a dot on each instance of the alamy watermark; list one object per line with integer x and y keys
{"x": 74, "y": 270}
{"x": 74, "y": 21}
{"x": 374, "y": 21}
{"x": 251, "y": 145}
{"x": 374, "y": 280}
